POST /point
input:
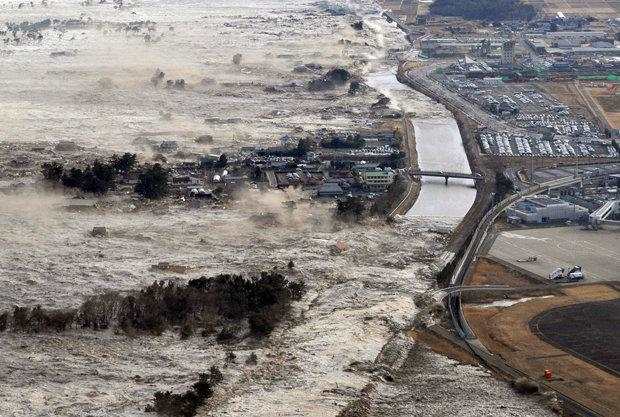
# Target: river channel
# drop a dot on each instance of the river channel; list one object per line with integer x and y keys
{"x": 439, "y": 147}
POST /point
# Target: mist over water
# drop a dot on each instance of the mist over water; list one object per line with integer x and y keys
{"x": 90, "y": 82}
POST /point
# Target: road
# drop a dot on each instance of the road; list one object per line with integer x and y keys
{"x": 454, "y": 299}
{"x": 595, "y": 251}
{"x": 421, "y": 80}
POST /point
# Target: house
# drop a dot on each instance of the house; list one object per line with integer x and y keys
{"x": 330, "y": 189}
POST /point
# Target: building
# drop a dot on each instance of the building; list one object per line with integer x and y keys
{"x": 608, "y": 214}
{"x": 580, "y": 37}
{"x": 508, "y": 53}
{"x": 330, "y": 189}
{"x": 444, "y": 47}
{"x": 378, "y": 179}
{"x": 542, "y": 210}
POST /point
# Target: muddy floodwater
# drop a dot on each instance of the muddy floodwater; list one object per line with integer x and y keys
{"x": 82, "y": 72}
{"x": 440, "y": 148}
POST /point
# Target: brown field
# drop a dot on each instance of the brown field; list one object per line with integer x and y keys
{"x": 565, "y": 92}
{"x": 596, "y": 8}
{"x": 609, "y": 103}
{"x": 489, "y": 272}
{"x": 506, "y": 332}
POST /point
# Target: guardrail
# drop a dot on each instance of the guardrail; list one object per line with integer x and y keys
{"x": 454, "y": 299}
{"x": 460, "y": 271}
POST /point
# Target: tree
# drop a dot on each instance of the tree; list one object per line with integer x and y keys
{"x": 304, "y": 146}
{"x": 503, "y": 185}
{"x": 153, "y": 182}
{"x": 73, "y": 179}
{"x": 53, "y": 171}
{"x": 351, "y": 208}
{"x": 222, "y": 162}
{"x": 124, "y": 163}
{"x": 93, "y": 184}
{"x": 493, "y": 10}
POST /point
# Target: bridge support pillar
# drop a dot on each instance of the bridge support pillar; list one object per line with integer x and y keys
{"x": 446, "y": 177}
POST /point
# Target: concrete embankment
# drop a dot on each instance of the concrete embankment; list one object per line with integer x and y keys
{"x": 408, "y": 145}
{"x": 467, "y": 128}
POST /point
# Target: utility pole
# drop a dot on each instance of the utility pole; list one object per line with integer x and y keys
{"x": 532, "y": 167}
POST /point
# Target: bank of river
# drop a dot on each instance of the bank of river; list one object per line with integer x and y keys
{"x": 439, "y": 147}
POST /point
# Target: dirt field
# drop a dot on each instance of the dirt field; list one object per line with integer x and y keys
{"x": 596, "y": 8}
{"x": 506, "y": 332}
{"x": 609, "y": 103}
{"x": 488, "y": 272}
{"x": 587, "y": 330}
{"x": 566, "y": 93}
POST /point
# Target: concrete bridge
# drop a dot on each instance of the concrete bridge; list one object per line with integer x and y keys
{"x": 445, "y": 174}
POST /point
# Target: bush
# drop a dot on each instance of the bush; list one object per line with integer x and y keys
{"x": 53, "y": 171}
{"x": 352, "y": 208}
{"x": 124, "y": 163}
{"x": 4, "y": 321}
{"x": 186, "y": 405}
{"x": 153, "y": 182}
{"x": 222, "y": 162}
{"x": 252, "y": 359}
{"x": 525, "y": 386}
{"x": 187, "y": 330}
{"x": 73, "y": 179}
{"x": 226, "y": 335}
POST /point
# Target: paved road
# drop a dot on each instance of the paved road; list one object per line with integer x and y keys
{"x": 598, "y": 252}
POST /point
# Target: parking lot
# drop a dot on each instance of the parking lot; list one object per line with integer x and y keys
{"x": 596, "y": 251}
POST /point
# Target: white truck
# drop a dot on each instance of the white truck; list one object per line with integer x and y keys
{"x": 573, "y": 275}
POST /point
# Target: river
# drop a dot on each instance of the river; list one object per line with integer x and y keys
{"x": 440, "y": 148}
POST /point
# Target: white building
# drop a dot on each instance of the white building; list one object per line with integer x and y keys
{"x": 607, "y": 214}
{"x": 377, "y": 179}
{"x": 545, "y": 210}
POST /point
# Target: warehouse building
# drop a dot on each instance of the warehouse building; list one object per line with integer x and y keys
{"x": 541, "y": 210}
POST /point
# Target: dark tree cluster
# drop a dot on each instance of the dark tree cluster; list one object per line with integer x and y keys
{"x": 503, "y": 185}
{"x": 97, "y": 178}
{"x": 224, "y": 301}
{"x": 153, "y": 182}
{"x": 352, "y": 208}
{"x": 490, "y": 10}
{"x": 186, "y": 404}
{"x": 100, "y": 177}
{"x": 343, "y": 140}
